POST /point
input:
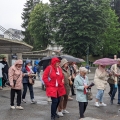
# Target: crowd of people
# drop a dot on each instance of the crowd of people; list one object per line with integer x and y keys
{"x": 60, "y": 79}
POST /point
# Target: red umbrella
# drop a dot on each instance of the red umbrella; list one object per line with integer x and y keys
{"x": 105, "y": 61}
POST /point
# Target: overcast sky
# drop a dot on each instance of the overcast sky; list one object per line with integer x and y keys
{"x": 10, "y": 13}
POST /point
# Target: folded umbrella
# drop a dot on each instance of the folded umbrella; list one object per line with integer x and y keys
{"x": 105, "y": 61}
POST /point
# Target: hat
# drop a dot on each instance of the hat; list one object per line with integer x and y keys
{"x": 28, "y": 61}
{"x": 63, "y": 62}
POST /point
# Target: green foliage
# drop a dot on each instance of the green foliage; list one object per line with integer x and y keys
{"x": 78, "y": 24}
{"x": 39, "y": 26}
{"x": 25, "y": 17}
{"x": 110, "y": 40}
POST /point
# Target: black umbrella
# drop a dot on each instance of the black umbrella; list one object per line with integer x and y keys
{"x": 46, "y": 61}
{"x": 72, "y": 59}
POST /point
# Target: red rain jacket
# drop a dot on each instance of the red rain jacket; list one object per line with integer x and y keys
{"x": 51, "y": 89}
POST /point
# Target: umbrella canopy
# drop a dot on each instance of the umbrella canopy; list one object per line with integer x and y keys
{"x": 36, "y": 62}
{"x": 46, "y": 61}
{"x": 72, "y": 59}
{"x": 105, "y": 61}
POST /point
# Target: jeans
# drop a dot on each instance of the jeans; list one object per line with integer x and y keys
{"x": 82, "y": 108}
{"x": 25, "y": 85}
{"x": 113, "y": 92}
{"x": 54, "y": 106}
{"x": 99, "y": 95}
{"x": 118, "y": 93}
{"x": 12, "y": 94}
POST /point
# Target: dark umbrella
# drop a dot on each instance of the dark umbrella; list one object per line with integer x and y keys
{"x": 46, "y": 61}
{"x": 72, "y": 59}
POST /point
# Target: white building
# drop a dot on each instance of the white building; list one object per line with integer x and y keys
{"x": 14, "y": 34}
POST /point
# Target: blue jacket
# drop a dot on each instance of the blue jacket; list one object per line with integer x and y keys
{"x": 78, "y": 83}
{"x": 25, "y": 78}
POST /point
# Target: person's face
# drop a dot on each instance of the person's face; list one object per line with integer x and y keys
{"x": 5, "y": 59}
{"x": 103, "y": 66}
{"x": 29, "y": 64}
{"x": 19, "y": 65}
{"x": 57, "y": 64}
{"x": 65, "y": 65}
{"x": 118, "y": 63}
{"x": 82, "y": 73}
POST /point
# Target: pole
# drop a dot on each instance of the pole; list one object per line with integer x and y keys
{"x": 115, "y": 57}
{"x": 87, "y": 55}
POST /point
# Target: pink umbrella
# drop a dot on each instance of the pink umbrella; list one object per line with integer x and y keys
{"x": 105, "y": 61}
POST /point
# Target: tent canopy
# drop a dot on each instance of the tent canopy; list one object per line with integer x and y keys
{"x": 8, "y": 46}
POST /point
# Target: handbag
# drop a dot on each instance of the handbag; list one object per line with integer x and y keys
{"x": 31, "y": 80}
{"x": 14, "y": 81}
{"x": 89, "y": 94}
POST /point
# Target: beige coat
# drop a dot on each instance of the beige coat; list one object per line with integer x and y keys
{"x": 100, "y": 79}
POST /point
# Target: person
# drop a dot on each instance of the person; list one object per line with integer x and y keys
{"x": 116, "y": 74}
{"x": 28, "y": 73}
{"x": 73, "y": 74}
{"x": 67, "y": 80}
{"x": 15, "y": 78}
{"x": 81, "y": 84}
{"x": 100, "y": 80}
{"x": 54, "y": 82}
{"x": 1, "y": 67}
{"x": 4, "y": 71}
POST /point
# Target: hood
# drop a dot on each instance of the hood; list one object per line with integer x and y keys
{"x": 63, "y": 61}
{"x": 18, "y": 62}
{"x": 28, "y": 61}
{"x": 54, "y": 61}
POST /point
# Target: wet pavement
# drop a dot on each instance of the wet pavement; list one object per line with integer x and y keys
{"x": 41, "y": 110}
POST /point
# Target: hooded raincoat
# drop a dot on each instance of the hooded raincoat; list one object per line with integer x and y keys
{"x": 15, "y": 73}
{"x": 54, "y": 86}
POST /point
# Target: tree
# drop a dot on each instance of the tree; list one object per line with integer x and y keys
{"x": 115, "y": 4}
{"x": 110, "y": 40}
{"x": 39, "y": 26}
{"x": 29, "y": 5}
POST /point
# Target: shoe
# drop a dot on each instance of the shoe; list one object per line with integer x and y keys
{"x": 23, "y": 100}
{"x": 97, "y": 104}
{"x": 19, "y": 108}
{"x": 102, "y": 104}
{"x": 57, "y": 116}
{"x": 49, "y": 99}
{"x": 52, "y": 118}
{"x": 118, "y": 103}
{"x": 70, "y": 98}
{"x": 73, "y": 94}
{"x": 65, "y": 112}
{"x": 60, "y": 114}
{"x": 33, "y": 101}
{"x": 111, "y": 102}
{"x": 12, "y": 107}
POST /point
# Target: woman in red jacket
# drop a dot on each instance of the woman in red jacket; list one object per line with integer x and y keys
{"x": 54, "y": 82}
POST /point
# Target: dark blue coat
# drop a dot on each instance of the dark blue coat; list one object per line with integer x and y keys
{"x": 25, "y": 78}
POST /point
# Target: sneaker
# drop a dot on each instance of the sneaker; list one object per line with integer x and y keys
{"x": 12, "y": 107}
{"x": 23, "y": 100}
{"x": 70, "y": 98}
{"x": 102, "y": 104}
{"x": 97, "y": 104}
{"x": 19, "y": 108}
{"x": 65, "y": 112}
{"x": 33, "y": 101}
{"x": 60, "y": 114}
{"x": 118, "y": 103}
{"x": 49, "y": 99}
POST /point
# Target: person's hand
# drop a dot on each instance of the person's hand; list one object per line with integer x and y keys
{"x": 69, "y": 78}
{"x": 85, "y": 86}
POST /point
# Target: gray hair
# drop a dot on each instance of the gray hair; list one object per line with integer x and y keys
{"x": 83, "y": 69}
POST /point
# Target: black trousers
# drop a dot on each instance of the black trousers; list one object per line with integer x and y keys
{"x": 54, "y": 106}
{"x": 82, "y": 108}
{"x": 72, "y": 88}
{"x": 12, "y": 94}
{"x": 111, "y": 88}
